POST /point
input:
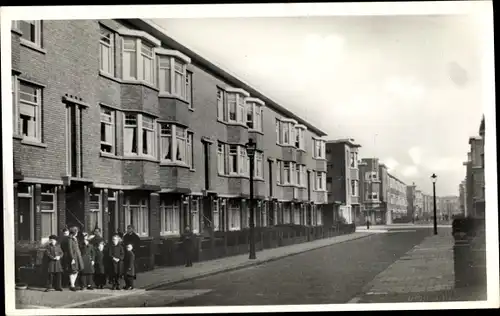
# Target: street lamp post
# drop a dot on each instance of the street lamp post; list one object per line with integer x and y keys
{"x": 434, "y": 179}
{"x": 251, "y": 146}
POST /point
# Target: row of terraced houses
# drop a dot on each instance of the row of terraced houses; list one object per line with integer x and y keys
{"x": 115, "y": 123}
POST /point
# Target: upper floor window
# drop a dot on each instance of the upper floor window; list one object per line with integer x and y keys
{"x": 279, "y": 171}
{"x": 254, "y": 114}
{"x": 189, "y": 88}
{"x": 320, "y": 181}
{"x": 354, "y": 159}
{"x": 289, "y": 172}
{"x": 371, "y": 176}
{"x": 27, "y": 107}
{"x": 299, "y": 137}
{"x": 259, "y": 165}
{"x": 31, "y": 30}
{"x": 106, "y": 55}
{"x": 221, "y": 158}
{"x": 237, "y": 160}
{"x": 286, "y": 132}
{"x": 372, "y": 195}
{"x": 300, "y": 177}
{"x": 221, "y": 108}
{"x": 138, "y": 60}
{"x": 176, "y": 144}
{"x": 236, "y": 108}
{"x": 139, "y": 135}
{"x": 319, "y": 148}
{"x": 108, "y": 130}
{"x": 354, "y": 188}
{"x": 173, "y": 76}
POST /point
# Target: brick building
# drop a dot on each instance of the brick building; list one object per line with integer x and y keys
{"x": 371, "y": 191}
{"x": 115, "y": 123}
{"x": 397, "y": 202}
{"x": 462, "y": 196}
{"x": 342, "y": 181}
{"x": 474, "y": 180}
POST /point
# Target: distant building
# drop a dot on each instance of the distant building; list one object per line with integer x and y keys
{"x": 410, "y": 196}
{"x": 419, "y": 204}
{"x": 462, "y": 192}
{"x": 397, "y": 203}
{"x": 342, "y": 181}
{"x": 370, "y": 192}
{"x": 475, "y": 185}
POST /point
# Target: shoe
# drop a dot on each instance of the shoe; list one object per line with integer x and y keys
{"x": 90, "y": 288}
{"x": 125, "y": 287}
{"x": 73, "y": 289}
{"x": 83, "y": 288}
{"x": 59, "y": 290}
{"x": 49, "y": 290}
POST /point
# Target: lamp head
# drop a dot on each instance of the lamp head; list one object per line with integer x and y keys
{"x": 434, "y": 178}
{"x": 251, "y": 146}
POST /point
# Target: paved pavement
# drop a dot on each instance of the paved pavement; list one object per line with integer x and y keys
{"x": 328, "y": 275}
{"x": 37, "y": 298}
{"x": 423, "y": 274}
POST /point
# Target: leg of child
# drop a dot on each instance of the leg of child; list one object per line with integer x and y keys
{"x": 83, "y": 281}
{"x": 131, "y": 282}
{"x": 72, "y": 280}
{"x": 58, "y": 281}
{"x": 89, "y": 281}
{"x": 50, "y": 282}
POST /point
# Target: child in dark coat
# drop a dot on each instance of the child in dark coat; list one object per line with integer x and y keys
{"x": 115, "y": 255}
{"x": 129, "y": 268}
{"x": 52, "y": 258}
{"x": 88, "y": 256}
{"x": 99, "y": 267}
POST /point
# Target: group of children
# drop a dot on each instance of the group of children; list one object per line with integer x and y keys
{"x": 94, "y": 262}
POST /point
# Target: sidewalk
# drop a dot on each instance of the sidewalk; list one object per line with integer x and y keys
{"x": 424, "y": 274}
{"x": 36, "y": 298}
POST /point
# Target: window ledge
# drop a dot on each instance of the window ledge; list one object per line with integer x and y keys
{"x": 174, "y": 164}
{"x": 169, "y": 235}
{"x": 192, "y": 169}
{"x": 33, "y": 143}
{"x": 236, "y": 124}
{"x": 17, "y": 137}
{"x": 32, "y": 46}
{"x": 191, "y": 109}
{"x": 140, "y": 82}
{"x": 109, "y": 155}
{"x": 319, "y": 158}
{"x": 286, "y": 145}
{"x": 17, "y": 31}
{"x": 166, "y": 95}
{"x": 251, "y": 130}
{"x": 109, "y": 76}
{"x": 139, "y": 157}
{"x": 302, "y": 150}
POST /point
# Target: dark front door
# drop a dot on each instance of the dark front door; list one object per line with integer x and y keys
{"x": 24, "y": 218}
{"x": 75, "y": 213}
{"x": 206, "y": 164}
{"x": 113, "y": 219}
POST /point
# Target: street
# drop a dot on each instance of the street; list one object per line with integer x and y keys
{"x": 329, "y": 275}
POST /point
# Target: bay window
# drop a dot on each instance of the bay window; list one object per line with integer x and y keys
{"x": 170, "y": 214}
{"x": 233, "y": 159}
{"x": 279, "y": 135}
{"x": 259, "y": 165}
{"x": 139, "y": 132}
{"x": 107, "y": 130}
{"x": 28, "y": 112}
{"x": 173, "y": 77}
{"x": 106, "y": 52}
{"x": 176, "y": 144}
{"x": 189, "y": 88}
{"x": 216, "y": 216}
{"x": 48, "y": 210}
{"x": 286, "y": 132}
{"x": 221, "y": 108}
{"x": 221, "y": 158}
{"x": 300, "y": 137}
{"x": 136, "y": 214}
{"x": 95, "y": 210}
{"x": 138, "y": 56}
{"x": 320, "y": 181}
{"x": 354, "y": 160}
{"x": 287, "y": 218}
{"x": 289, "y": 172}
{"x": 254, "y": 114}
{"x": 238, "y": 162}
{"x": 243, "y": 162}
{"x": 319, "y": 147}
{"x": 236, "y": 106}
{"x": 279, "y": 172}
{"x": 354, "y": 187}
{"x": 234, "y": 214}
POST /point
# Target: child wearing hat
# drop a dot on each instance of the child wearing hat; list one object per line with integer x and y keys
{"x": 52, "y": 259}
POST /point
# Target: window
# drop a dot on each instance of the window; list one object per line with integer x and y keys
{"x": 371, "y": 176}
{"x": 138, "y": 60}
{"x": 147, "y": 70}
{"x": 26, "y": 214}
{"x": 173, "y": 77}
{"x": 32, "y": 31}
{"x": 287, "y": 214}
{"x": 136, "y": 214}
{"x": 300, "y": 175}
{"x": 319, "y": 216}
{"x": 243, "y": 163}
{"x": 320, "y": 183}
{"x": 279, "y": 173}
{"x": 296, "y": 215}
{"x": 287, "y": 172}
{"x": 233, "y": 159}
{"x": 48, "y": 212}
{"x": 189, "y": 88}
{"x": 279, "y": 135}
{"x": 221, "y": 115}
{"x": 29, "y": 111}
{"x": 285, "y": 132}
{"x": 221, "y": 159}
{"x": 178, "y": 149}
{"x": 170, "y": 214}
{"x": 372, "y": 195}
{"x": 354, "y": 160}
{"x": 95, "y": 214}
{"x": 139, "y": 132}
{"x": 234, "y": 215}
{"x": 129, "y": 58}
{"x": 354, "y": 187}
{"x": 195, "y": 215}
{"x": 319, "y": 149}
{"x": 231, "y": 104}
{"x": 299, "y": 138}
{"x": 275, "y": 214}
{"x": 265, "y": 214}
{"x": 216, "y": 217}
{"x": 106, "y": 47}
{"x": 259, "y": 165}
{"x": 107, "y": 130}
{"x": 254, "y": 115}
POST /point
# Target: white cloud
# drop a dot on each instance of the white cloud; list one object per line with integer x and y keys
{"x": 410, "y": 171}
{"x": 415, "y": 154}
{"x": 391, "y": 163}
{"x": 447, "y": 164}
{"x": 404, "y": 87}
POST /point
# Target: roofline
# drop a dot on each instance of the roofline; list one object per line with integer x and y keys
{"x": 348, "y": 141}
{"x": 159, "y": 33}
{"x": 396, "y": 178}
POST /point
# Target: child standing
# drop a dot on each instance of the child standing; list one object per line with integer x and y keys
{"x": 99, "y": 268}
{"x": 129, "y": 268}
{"x": 53, "y": 255}
{"x": 116, "y": 254}
{"x": 88, "y": 256}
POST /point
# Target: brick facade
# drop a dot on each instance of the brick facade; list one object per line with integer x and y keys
{"x": 66, "y": 69}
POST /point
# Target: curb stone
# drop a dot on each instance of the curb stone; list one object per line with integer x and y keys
{"x": 242, "y": 266}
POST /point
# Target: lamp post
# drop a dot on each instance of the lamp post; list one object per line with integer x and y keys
{"x": 250, "y": 147}
{"x": 434, "y": 179}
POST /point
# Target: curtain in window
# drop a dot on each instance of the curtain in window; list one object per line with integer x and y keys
{"x": 129, "y": 58}
{"x": 130, "y": 139}
{"x": 164, "y": 74}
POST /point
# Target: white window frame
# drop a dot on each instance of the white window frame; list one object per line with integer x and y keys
{"x": 221, "y": 104}
{"x": 243, "y": 162}
{"x": 355, "y": 188}
{"x": 354, "y": 160}
{"x": 287, "y": 170}
{"x": 38, "y": 32}
{"x": 234, "y": 214}
{"x": 255, "y": 107}
{"x": 216, "y": 216}
{"x": 287, "y": 216}
{"x": 320, "y": 181}
{"x": 279, "y": 173}
{"x": 109, "y": 119}
{"x": 143, "y": 208}
{"x": 279, "y": 135}
{"x": 319, "y": 148}
{"x": 194, "y": 212}
{"x": 298, "y": 175}
{"x": 233, "y": 157}
{"x": 189, "y": 89}
{"x": 172, "y": 206}
{"x": 139, "y": 134}
{"x": 319, "y": 216}
{"x": 259, "y": 165}
{"x": 296, "y": 214}
{"x": 37, "y": 128}
{"x": 187, "y": 136}
{"x": 221, "y": 159}
{"x": 371, "y": 176}
{"x": 96, "y": 211}
{"x": 300, "y": 132}
{"x": 178, "y": 59}
{"x": 111, "y": 51}
{"x": 139, "y": 62}
{"x": 52, "y": 192}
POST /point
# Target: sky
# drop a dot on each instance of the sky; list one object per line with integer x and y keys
{"x": 407, "y": 88}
